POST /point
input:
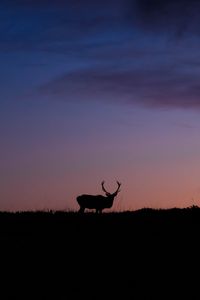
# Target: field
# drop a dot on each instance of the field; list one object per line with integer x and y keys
{"x": 144, "y": 254}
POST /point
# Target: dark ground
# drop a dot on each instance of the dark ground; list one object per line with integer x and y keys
{"x": 146, "y": 254}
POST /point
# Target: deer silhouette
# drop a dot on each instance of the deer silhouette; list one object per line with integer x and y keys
{"x": 98, "y": 202}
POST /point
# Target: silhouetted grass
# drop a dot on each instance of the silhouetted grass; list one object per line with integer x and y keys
{"x": 131, "y": 255}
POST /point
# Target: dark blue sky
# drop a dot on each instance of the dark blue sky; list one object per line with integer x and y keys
{"x": 149, "y": 47}
{"x": 98, "y": 88}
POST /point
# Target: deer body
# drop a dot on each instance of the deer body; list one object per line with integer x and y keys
{"x": 97, "y": 202}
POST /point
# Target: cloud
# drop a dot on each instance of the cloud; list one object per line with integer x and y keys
{"x": 118, "y": 50}
{"x": 136, "y": 62}
{"x": 173, "y": 16}
{"x": 157, "y": 86}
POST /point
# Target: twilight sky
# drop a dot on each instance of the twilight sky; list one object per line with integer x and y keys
{"x": 99, "y": 90}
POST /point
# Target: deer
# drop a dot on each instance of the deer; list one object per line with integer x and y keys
{"x": 97, "y": 202}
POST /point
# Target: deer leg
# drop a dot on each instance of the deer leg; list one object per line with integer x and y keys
{"x": 81, "y": 210}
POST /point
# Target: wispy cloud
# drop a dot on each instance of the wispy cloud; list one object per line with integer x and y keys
{"x": 152, "y": 88}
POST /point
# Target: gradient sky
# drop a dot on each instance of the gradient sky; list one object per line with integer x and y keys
{"x": 99, "y": 90}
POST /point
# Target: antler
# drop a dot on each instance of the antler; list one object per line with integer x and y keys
{"x": 119, "y": 184}
{"x": 107, "y": 193}
{"x": 103, "y": 188}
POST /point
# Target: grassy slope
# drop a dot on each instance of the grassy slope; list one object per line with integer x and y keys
{"x": 132, "y": 255}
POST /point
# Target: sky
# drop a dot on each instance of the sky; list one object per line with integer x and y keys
{"x": 99, "y": 90}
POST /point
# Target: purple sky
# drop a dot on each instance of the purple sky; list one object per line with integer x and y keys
{"x": 99, "y": 90}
